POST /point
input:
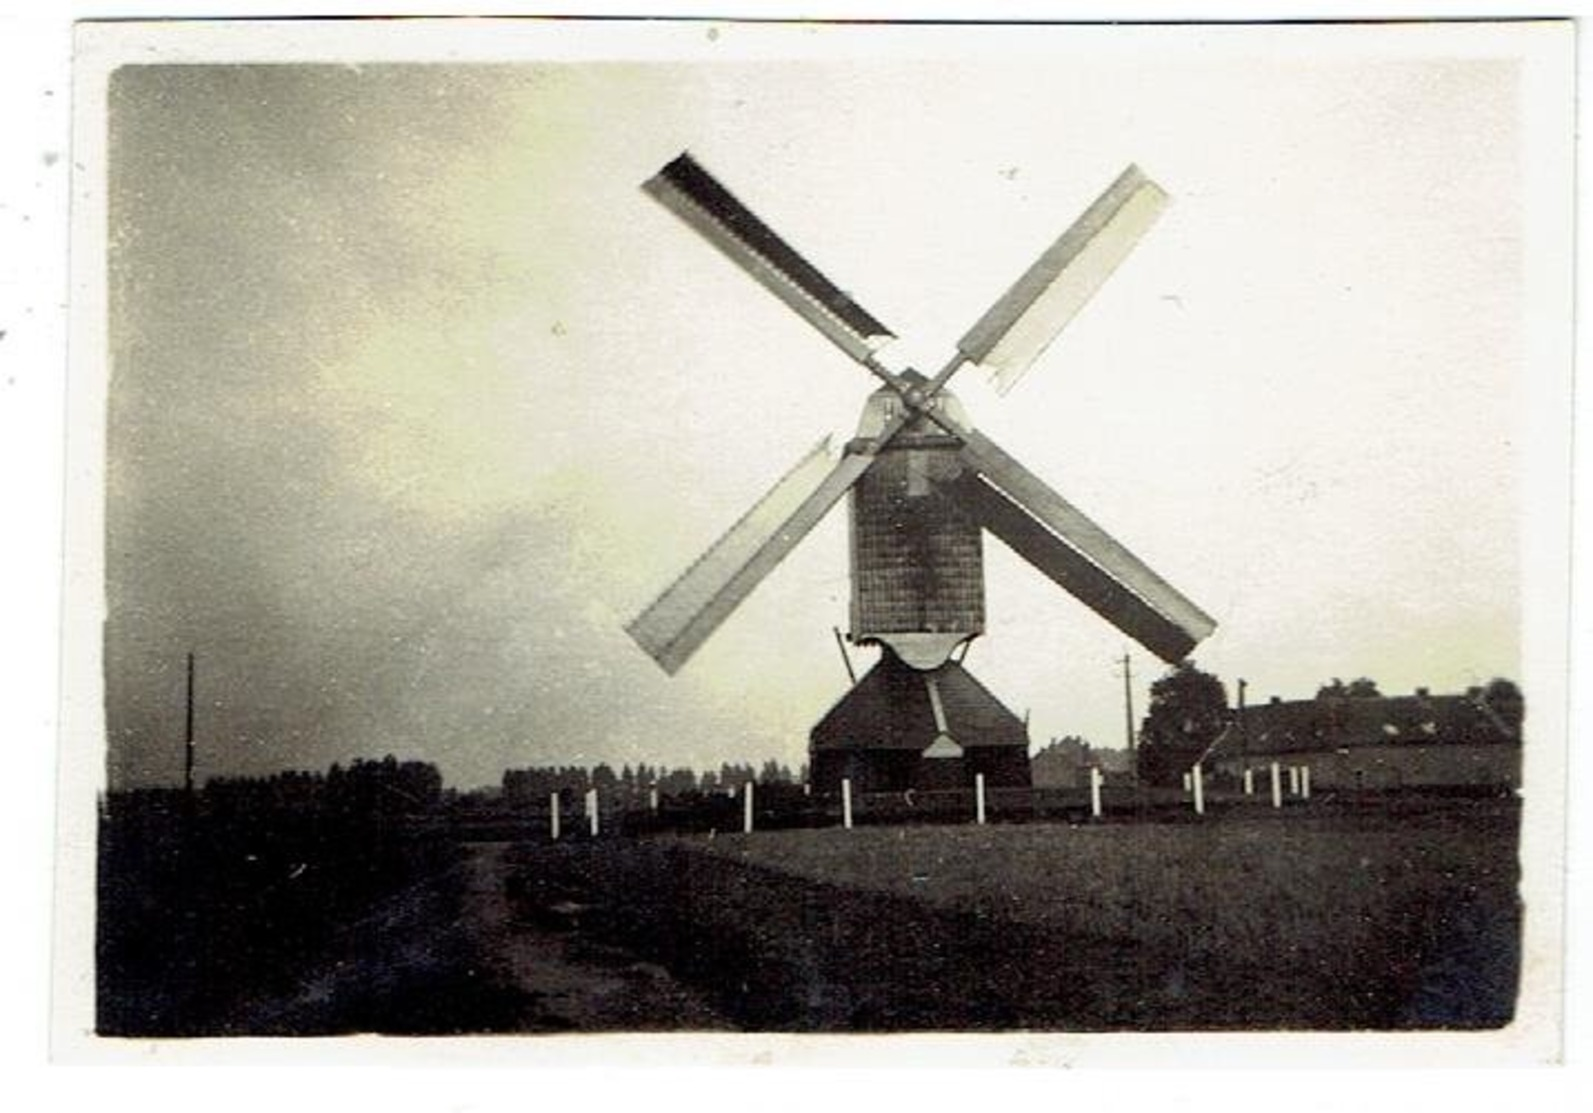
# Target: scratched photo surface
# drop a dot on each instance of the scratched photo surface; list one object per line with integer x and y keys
{"x": 824, "y": 530}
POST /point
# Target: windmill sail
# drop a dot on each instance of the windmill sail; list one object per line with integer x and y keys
{"x": 693, "y": 607}
{"x": 693, "y": 194}
{"x": 1018, "y": 327}
{"x": 1042, "y": 548}
{"x": 1003, "y": 496}
{"x": 1058, "y": 539}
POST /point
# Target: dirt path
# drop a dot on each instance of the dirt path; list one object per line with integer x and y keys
{"x": 576, "y": 983}
{"x": 454, "y": 954}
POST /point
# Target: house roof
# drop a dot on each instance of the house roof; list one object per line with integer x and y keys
{"x": 1333, "y": 723}
{"x": 891, "y": 708}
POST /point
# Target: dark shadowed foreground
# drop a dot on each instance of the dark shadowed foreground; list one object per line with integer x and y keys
{"x": 1400, "y": 917}
{"x": 418, "y": 938}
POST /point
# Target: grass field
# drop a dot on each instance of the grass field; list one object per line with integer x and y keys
{"x": 1249, "y": 887}
{"x": 1391, "y": 914}
{"x": 1324, "y": 921}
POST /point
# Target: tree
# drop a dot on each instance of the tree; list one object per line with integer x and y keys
{"x": 1361, "y": 687}
{"x": 1505, "y": 700}
{"x": 676, "y": 781}
{"x": 773, "y": 773}
{"x": 1188, "y": 709}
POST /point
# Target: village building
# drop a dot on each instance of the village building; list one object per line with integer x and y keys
{"x": 1066, "y": 763}
{"x": 1466, "y": 742}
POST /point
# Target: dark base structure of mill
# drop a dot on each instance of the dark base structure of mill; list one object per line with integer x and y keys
{"x": 901, "y": 728}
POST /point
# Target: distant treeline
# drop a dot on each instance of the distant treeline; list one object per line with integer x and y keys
{"x": 365, "y": 787}
{"x": 572, "y": 781}
{"x": 388, "y": 786}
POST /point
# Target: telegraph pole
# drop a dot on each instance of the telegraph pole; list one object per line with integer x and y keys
{"x": 1128, "y": 702}
{"x": 188, "y": 736}
{"x": 1243, "y": 685}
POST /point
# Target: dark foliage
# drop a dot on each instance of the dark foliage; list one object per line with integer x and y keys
{"x": 1188, "y": 709}
{"x": 1360, "y": 688}
{"x": 203, "y": 912}
{"x": 1504, "y": 699}
{"x": 630, "y": 787}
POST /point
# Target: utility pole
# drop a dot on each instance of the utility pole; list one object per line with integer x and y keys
{"x": 188, "y": 736}
{"x": 1128, "y": 702}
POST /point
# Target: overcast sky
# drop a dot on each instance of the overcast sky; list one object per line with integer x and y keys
{"x": 416, "y": 398}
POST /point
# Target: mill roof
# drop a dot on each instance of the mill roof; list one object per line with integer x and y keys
{"x": 890, "y": 708}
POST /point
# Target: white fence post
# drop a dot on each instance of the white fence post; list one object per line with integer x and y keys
{"x": 1189, "y": 781}
{"x": 1200, "y": 790}
{"x": 846, "y": 802}
{"x": 1305, "y": 782}
{"x": 979, "y": 797}
{"x": 1095, "y": 791}
{"x": 553, "y": 815}
{"x": 1277, "y": 787}
{"x": 1250, "y": 782}
{"x": 652, "y": 798}
{"x": 746, "y": 808}
{"x": 591, "y": 811}
{"x": 1294, "y": 780}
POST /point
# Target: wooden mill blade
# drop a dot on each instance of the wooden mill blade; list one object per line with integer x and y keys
{"x": 1023, "y": 322}
{"x": 694, "y": 606}
{"x": 1058, "y": 539}
{"x": 692, "y": 194}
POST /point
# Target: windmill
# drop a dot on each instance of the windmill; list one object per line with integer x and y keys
{"x": 924, "y": 485}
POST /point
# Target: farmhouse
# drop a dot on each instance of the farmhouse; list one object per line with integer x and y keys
{"x": 1066, "y": 763}
{"x": 1446, "y": 742}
